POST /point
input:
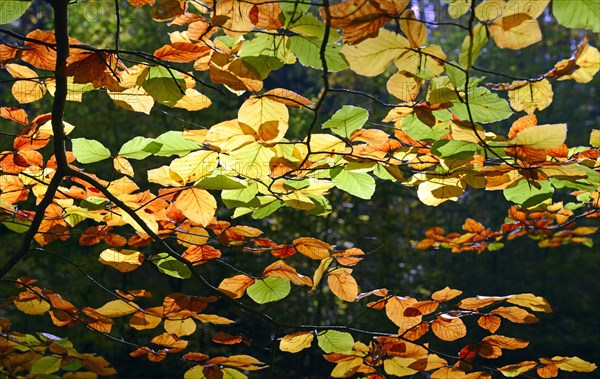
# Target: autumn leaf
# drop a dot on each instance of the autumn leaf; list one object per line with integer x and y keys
{"x": 313, "y": 248}
{"x": 295, "y": 342}
{"x": 342, "y": 284}
{"x": 448, "y": 328}
{"x": 197, "y": 204}
{"x": 124, "y": 260}
{"x": 236, "y": 286}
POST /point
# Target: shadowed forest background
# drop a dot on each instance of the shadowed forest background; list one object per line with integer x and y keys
{"x": 383, "y": 227}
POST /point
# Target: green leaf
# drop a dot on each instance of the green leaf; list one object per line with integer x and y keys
{"x": 542, "y": 136}
{"x": 16, "y": 225}
{"x": 11, "y": 10}
{"x": 347, "y": 120}
{"x": 419, "y": 131}
{"x": 359, "y": 184}
{"x": 73, "y": 366}
{"x": 452, "y": 149}
{"x": 577, "y": 14}
{"x": 296, "y": 184}
{"x": 139, "y": 148}
{"x": 269, "y": 289}
{"x": 267, "y": 53}
{"x": 89, "y": 150}
{"x": 46, "y": 365}
{"x": 94, "y": 203}
{"x": 308, "y": 52}
{"x": 322, "y": 205}
{"x": 240, "y": 196}
{"x": 267, "y": 210}
{"x": 471, "y": 48}
{"x": 164, "y": 85}
{"x": 171, "y": 266}
{"x": 485, "y": 107}
{"x": 220, "y": 182}
{"x": 529, "y": 194}
{"x": 173, "y": 143}
{"x": 333, "y": 341}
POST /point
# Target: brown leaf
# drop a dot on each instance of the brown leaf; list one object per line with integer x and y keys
{"x": 280, "y": 269}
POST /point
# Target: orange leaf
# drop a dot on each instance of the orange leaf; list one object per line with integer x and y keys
{"x": 313, "y": 248}
{"x": 489, "y": 322}
{"x": 349, "y": 257}
{"x": 342, "y": 284}
{"x": 197, "y": 204}
{"x": 170, "y": 341}
{"x": 280, "y": 269}
{"x": 236, "y": 286}
{"x": 226, "y": 338}
{"x": 448, "y": 329}
{"x": 289, "y": 98}
{"x": 505, "y": 342}
{"x": 445, "y": 294}
{"x": 515, "y": 314}
{"x": 181, "y": 52}
{"x": 548, "y": 371}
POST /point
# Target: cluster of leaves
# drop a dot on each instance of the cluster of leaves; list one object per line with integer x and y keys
{"x": 432, "y": 138}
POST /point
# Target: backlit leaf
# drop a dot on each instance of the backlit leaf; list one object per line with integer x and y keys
{"x": 334, "y": 341}
{"x": 577, "y": 14}
{"x": 295, "y": 342}
{"x": 11, "y": 10}
{"x": 89, "y": 151}
{"x": 269, "y": 289}
{"x": 170, "y": 266}
{"x": 342, "y": 284}
{"x": 124, "y": 260}
{"x": 197, "y": 204}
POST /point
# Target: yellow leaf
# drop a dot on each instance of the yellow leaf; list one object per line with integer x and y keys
{"x": 342, "y": 284}
{"x": 184, "y": 327}
{"x": 213, "y": 319}
{"x": 34, "y": 307}
{"x": 542, "y": 136}
{"x": 413, "y": 29}
{"x": 587, "y": 65}
{"x": 529, "y": 300}
{"x": 134, "y": 99}
{"x": 197, "y": 204}
{"x": 29, "y": 89}
{"x": 346, "y": 369}
{"x": 404, "y": 86}
{"x": 531, "y": 96}
{"x": 117, "y": 308}
{"x": 164, "y": 176}
{"x": 517, "y": 368}
{"x": 570, "y": 364}
{"x": 398, "y": 366}
{"x": 372, "y": 56}
{"x": 504, "y": 342}
{"x": 229, "y": 135}
{"x": 195, "y": 166}
{"x": 425, "y": 63}
{"x": 124, "y": 260}
{"x": 295, "y": 342}
{"x": 455, "y": 373}
{"x": 267, "y": 117}
{"x": 123, "y": 166}
{"x": 193, "y": 101}
{"x": 144, "y": 320}
{"x": 318, "y": 275}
